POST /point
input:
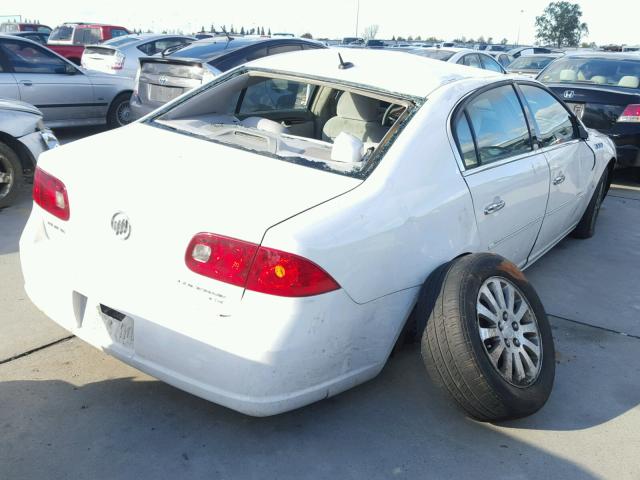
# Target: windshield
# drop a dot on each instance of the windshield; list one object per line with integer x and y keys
{"x": 530, "y": 63}
{"x": 120, "y": 41}
{"x": 594, "y": 70}
{"x": 287, "y": 119}
{"x": 437, "y": 54}
{"x": 64, "y": 32}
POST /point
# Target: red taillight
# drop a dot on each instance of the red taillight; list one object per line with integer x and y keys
{"x": 51, "y": 194}
{"x": 631, "y": 114}
{"x": 256, "y": 268}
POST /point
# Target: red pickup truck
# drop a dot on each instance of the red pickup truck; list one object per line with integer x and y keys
{"x": 69, "y": 39}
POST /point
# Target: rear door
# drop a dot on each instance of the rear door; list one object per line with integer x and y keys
{"x": 570, "y": 159}
{"x": 8, "y": 83}
{"x": 507, "y": 178}
{"x": 44, "y": 81}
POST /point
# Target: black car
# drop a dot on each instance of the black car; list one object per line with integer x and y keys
{"x": 603, "y": 89}
{"x": 179, "y": 69}
{"x": 40, "y": 37}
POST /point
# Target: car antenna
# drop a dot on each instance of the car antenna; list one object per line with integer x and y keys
{"x": 344, "y": 65}
{"x": 229, "y": 37}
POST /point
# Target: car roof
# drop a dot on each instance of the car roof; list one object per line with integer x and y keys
{"x": 400, "y": 72}
{"x": 209, "y": 48}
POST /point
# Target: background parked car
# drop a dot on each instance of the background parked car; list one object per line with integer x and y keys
{"x": 41, "y": 37}
{"x": 531, "y": 65}
{"x": 69, "y": 39}
{"x": 461, "y": 56}
{"x": 603, "y": 90}
{"x": 520, "y": 51}
{"x": 22, "y": 138}
{"x": 66, "y": 94}
{"x": 121, "y": 55}
{"x": 11, "y": 27}
{"x": 161, "y": 79}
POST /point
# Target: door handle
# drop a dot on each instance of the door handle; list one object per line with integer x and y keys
{"x": 26, "y": 83}
{"x": 498, "y": 204}
{"x": 559, "y": 179}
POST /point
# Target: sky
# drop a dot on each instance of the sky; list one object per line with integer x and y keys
{"x": 611, "y": 21}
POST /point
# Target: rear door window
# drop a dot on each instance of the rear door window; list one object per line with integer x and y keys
{"x": 87, "y": 36}
{"x": 490, "y": 64}
{"x": 554, "y": 122}
{"x": 464, "y": 138}
{"x": 499, "y": 125}
{"x": 471, "y": 60}
{"x": 28, "y": 58}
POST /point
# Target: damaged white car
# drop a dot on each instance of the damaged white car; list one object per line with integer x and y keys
{"x": 265, "y": 240}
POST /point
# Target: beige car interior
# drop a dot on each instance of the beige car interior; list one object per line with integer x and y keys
{"x": 337, "y": 125}
{"x": 628, "y": 81}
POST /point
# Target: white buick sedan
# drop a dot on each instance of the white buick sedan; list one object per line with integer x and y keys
{"x": 265, "y": 241}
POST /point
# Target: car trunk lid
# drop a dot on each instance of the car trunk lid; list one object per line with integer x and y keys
{"x": 598, "y": 106}
{"x": 101, "y": 58}
{"x": 168, "y": 189}
{"x": 162, "y": 79}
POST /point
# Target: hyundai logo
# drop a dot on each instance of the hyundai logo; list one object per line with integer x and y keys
{"x": 569, "y": 94}
{"x": 121, "y": 226}
{"x": 163, "y": 80}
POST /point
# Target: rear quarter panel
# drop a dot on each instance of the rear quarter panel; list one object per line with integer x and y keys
{"x": 412, "y": 214}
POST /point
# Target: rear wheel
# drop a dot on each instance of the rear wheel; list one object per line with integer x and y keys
{"x": 488, "y": 342}
{"x": 10, "y": 175}
{"x": 587, "y": 225}
{"x": 120, "y": 111}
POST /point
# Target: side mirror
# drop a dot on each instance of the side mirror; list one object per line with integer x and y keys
{"x": 70, "y": 69}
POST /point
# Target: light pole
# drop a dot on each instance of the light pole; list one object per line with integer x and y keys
{"x": 519, "y": 24}
{"x": 357, "y": 16}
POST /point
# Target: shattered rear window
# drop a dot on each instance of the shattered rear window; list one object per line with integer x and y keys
{"x": 331, "y": 127}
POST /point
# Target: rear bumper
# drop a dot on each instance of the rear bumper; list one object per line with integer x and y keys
{"x": 628, "y": 149}
{"x": 262, "y": 356}
{"x": 139, "y": 109}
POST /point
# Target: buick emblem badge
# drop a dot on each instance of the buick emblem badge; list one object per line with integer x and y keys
{"x": 569, "y": 94}
{"x": 121, "y": 226}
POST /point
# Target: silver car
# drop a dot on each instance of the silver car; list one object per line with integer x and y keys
{"x": 119, "y": 56}
{"x": 66, "y": 94}
{"x": 461, "y": 56}
{"x": 23, "y": 138}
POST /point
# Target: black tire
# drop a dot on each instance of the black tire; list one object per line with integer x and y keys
{"x": 456, "y": 357}
{"x": 11, "y": 175}
{"x": 586, "y": 227}
{"x": 116, "y": 117}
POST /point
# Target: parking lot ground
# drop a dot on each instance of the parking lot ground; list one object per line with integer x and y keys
{"x": 68, "y": 410}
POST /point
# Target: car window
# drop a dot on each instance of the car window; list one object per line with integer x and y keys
{"x": 471, "y": 60}
{"x": 499, "y": 125}
{"x": 28, "y": 58}
{"x": 275, "y": 94}
{"x": 283, "y": 49}
{"x": 87, "y": 36}
{"x": 490, "y": 64}
{"x": 619, "y": 72}
{"x": 554, "y": 123}
{"x": 227, "y": 62}
{"x": 43, "y": 29}
{"x": 62, "y": 33}
{"x": 118, "y": 32}
{"x": 465, "y": 141}
{"x": 158, "y": 46}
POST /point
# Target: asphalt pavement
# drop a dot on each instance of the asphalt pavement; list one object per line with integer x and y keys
{"x": 68, "y": 410}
